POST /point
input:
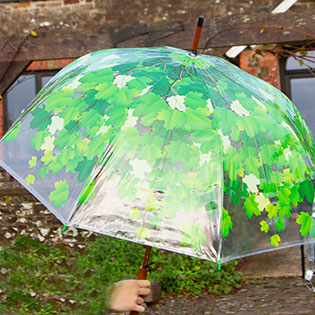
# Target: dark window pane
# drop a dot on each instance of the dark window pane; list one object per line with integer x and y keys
{"x": 19, "y": 96}
{"x": 303, "y": 96}
{"x": 293, "y": 64}
{"x": 45, "y": 79}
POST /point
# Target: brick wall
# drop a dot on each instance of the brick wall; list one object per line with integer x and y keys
{"x": 265, "y": 67}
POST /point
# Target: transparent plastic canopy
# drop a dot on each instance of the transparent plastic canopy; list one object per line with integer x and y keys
{"x": 181, "y": 152}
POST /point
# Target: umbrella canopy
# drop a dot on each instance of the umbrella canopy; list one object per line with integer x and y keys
{"x": 165, "y": 148}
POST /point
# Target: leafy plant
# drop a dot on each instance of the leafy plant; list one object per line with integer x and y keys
{"x": 39, "y": 278}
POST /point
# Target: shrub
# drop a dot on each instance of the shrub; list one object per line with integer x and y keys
{"x": 39, "y": 278}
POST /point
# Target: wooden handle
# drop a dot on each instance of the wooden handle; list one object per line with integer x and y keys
{"x": 197, "y": 35}
{"x": 143, "y": 271}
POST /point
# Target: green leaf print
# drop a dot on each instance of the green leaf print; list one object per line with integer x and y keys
{"x": 61, "y": 193}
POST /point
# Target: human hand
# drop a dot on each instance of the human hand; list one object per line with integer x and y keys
{"x": 125, "y": 296}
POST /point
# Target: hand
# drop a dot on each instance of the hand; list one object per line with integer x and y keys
{"x": 125, "y": 296}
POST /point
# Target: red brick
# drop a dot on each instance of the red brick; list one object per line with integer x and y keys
{"x": 37, "y": 65}
{"x": 71, "y": 1}
{"x": 48, "y": 64}
{"x": 265, "y": 67}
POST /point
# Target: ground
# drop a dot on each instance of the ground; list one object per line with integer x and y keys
{"x": 272, "y": 285}
{"x": 259, "y": 296}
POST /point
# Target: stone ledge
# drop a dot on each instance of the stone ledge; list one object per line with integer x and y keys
{"x": 12, "y": 188}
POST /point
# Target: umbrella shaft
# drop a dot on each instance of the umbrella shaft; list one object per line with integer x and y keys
{"x": 142, "y": 275}
{"x": 145, "y": 267}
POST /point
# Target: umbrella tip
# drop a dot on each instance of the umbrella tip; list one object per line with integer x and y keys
{"x": 197, "y": 35}
{"x": 64, "y": 227}
{"x": 219, "y": 265}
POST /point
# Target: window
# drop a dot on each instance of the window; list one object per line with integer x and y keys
{"x": 298, "y": 83}
{"x": 22, "y": 92}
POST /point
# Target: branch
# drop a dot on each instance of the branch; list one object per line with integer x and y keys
{"x": 262, "y": 28}
{"x": 17, "y": 50}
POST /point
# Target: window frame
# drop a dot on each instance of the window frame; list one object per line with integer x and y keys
{"x": 38, "y": 86}
{"x": 287, "y": 75}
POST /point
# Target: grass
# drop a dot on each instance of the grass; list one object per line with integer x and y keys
{"x": 42, "y": 278}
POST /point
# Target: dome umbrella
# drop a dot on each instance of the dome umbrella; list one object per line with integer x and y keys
{"x": 170, "y": 149}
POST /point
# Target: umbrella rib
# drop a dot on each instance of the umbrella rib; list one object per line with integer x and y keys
{"x": 141, "y": 67}
{"x": 189, "y": 74}
{"x": 174, "y": 82}
{"x": 218, "y": 90}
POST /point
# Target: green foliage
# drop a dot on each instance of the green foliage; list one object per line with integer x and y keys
{"x": 307, "y": 223}
{"x": 226, "y": 223}
{"x": 13, "y": 133}
{"x": 60, "y": 195}
{"x": 274, "y": 240}
{"x": 39, "y": 278}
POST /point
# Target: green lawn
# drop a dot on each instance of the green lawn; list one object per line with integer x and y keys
{"x": 40, "y": 278}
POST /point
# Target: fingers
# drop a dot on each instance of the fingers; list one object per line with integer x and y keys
{"x": 144, "y": 291}
{"x": 138, "y": 308}
{"x": 127, "y": 295}
{"x": 139, "y": 300}
{"x": 144, "y": 287}
{"x": 144, "y": 283}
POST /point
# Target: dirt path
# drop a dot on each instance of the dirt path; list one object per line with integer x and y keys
{"x": 260, "y": 296}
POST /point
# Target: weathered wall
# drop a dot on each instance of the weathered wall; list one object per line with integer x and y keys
{"x": 17, "y": 17}
{"x": 20, "y": 213}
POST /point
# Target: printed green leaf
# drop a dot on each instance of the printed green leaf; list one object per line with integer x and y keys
{"x": 43, "y": 172}
{"x": 84, "y": 168}
{"x": 307, "y": 190}
{"x": 61, "y": 194}
{"x": 172, "y": 118}
{"x": 284, "y": 196}
{"x": 155, "y": 220}
{"x": 280, "y": 225}
{"x": 305, "y": 220}
{"x": 195, "y": 100}
{"x": 226, "y": 223}
{"x": 42, "y": 119}
{"x": 30, "y": 179}
{"x": 59, "y": 100}
{"x": 135, "y": 214}
{"x": 39, "y": 139}
{"x": 48, "y": 157}
{"x": 295, "y": 196}
{"x": 264, "y": 226}
{"x": 285, "y": 211}
{"x": 32, "y": 162}
{"x": 251, "y": 206}
{"x": 193, "y": 234}
{"x": 13, "y": 133}
{"x": 196, "y": 119}
{"x": 272, "y": 211}
{"x": 274, "y": 240}
{"x": 143, "y": 233}
{"x": 91, "y": 118}
{"x": 64, "y": 137}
